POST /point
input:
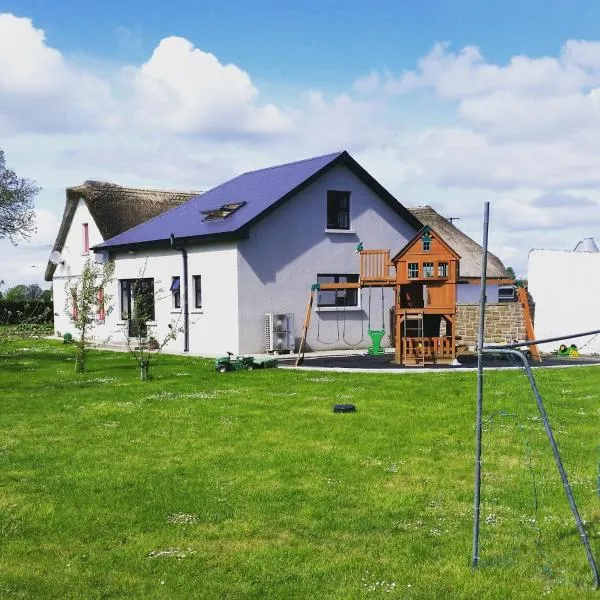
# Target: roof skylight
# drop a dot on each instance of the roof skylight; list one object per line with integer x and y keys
{"x": 216, "y": 214}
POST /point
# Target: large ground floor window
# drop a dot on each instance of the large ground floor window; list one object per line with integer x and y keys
{"x": 343, "y": 298}
{"x": 137, "y": 304}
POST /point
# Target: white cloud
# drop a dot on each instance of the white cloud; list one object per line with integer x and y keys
{"x": 185, "y": 90}
{"x": 39, "y": 90}
{"x": 525, "y": 134}
{"x": 27, "y": 262}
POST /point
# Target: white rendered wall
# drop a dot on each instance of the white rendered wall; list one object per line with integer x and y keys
{"x": 213, "y": 328}
{"x": 565, "y": 287}
{"x": 72, "y": 260}
{"x": 288, "y": 248}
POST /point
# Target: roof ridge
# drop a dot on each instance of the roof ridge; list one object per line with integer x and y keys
{"x": 97, "y": 183}
{"x": 295, "y": 162}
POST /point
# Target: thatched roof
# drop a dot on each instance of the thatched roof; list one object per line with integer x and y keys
{"x": 470, "y": 252}
{"x": 115, "y": 209}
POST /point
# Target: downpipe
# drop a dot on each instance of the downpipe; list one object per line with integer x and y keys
{"x": 186, "y": 309}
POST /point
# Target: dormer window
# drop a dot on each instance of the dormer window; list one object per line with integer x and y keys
{"x": 217, "y": 214}
{"x": 426, "y": 242}
{"x": 338, "y": 210}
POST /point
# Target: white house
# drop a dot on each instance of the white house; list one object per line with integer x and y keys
{"x": 219, "y": 262}
{"x": 562, "y": 310}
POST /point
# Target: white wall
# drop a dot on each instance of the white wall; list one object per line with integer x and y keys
{"x": 214, "y": 327}
{"x": 288, "y": 248}
{"x": 72, "y": 259}
{"x": 566, "y": 289}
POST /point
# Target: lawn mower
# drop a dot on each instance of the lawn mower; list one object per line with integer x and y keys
{"x": 247, "y": 362}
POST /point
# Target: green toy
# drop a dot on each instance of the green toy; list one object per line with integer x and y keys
{"x": 375, "y": 335}
{"x": 248, "y": 362}
{"x": 568, "y": 350}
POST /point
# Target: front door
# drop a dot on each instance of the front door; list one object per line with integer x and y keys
{"x": 137, "y": 305}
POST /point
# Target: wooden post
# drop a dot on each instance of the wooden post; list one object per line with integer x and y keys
{"x": 522, "y": 295}
{"x": 300, "y": 358}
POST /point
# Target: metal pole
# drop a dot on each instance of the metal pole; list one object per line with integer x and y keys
{"x": 478, "y": 423}
{"x": 551, "y": 339}
{"x": 557, "y": 459}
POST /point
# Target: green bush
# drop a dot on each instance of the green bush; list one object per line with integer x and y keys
{"x": 17, "y": 312}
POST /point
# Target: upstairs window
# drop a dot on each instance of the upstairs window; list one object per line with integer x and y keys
{"x": 413, "y": 270}
{"x": 85, "y": 238}
{"x": 338, "y": 210}
{"x": 197, "y": 291}
{"x": 427, "y": 269}
{"x": 343, "y": 298}
{"x": 443, "y": 269}
{"x": 176, "y": 292}
{"x": 426, "y": 242}
{"x": 222, "y": 212}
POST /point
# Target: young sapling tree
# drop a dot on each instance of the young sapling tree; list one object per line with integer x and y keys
{"x": 87, "y": 304}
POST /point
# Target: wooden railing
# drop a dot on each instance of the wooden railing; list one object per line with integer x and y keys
{"x": 427, "y": 348}
{"x": 375, "y": 265}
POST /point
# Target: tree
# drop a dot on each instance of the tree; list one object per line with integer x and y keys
{"x": 17, "y": 293}
{"x": 17, "y": 218}
{"x": 144, "y": 346}
{"x": 87, "y": 303}
{"x": 34, "y": 291}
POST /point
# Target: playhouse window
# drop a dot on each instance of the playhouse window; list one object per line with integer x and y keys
{"x": 443, "y": 269}
{"x": 413, "y": 270}
{"x": 176, "y": 292}
{"x": 343, "y": 298}
{"x": 426, "y": 241}
{"x": 338, "y": 210}
{"x": 197, "y": 291}
{"x": 427, "y": 269}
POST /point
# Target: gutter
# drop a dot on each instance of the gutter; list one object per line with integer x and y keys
{"x": 186, "y": 309}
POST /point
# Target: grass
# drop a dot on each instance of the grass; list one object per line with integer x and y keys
{"x": 247, "y": 485}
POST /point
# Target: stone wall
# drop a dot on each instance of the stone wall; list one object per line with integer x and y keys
{"x": 503, "y": 323}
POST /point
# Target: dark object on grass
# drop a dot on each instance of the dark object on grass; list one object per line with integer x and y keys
{"x": 67, "y": 338}
{"x": 344, "y": 408}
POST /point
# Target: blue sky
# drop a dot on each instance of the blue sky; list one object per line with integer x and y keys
{"x": 312, "y": 41}
{"x": 448, "y": 103}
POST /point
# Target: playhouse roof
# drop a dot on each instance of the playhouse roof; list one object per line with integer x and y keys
{"x": 469, "y": 250}
{"x": 245, "y": 199}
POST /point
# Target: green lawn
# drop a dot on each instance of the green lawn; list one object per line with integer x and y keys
{"x": 247, "y": 485}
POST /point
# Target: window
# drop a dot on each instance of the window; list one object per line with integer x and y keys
{"x": 216, "y": 214}
{"x": 101, "y": 309}
{"x": 85, "y": 238}
{"x": 443, "y": 269}
{"x": 413, "y": 270}
{"x": 427, "y": 269}
{"x": 343, "y": 298}
{"x": 197, "y": 291}
{"x": 426, "y": 241}
{"x": 176, "y": 292}
{"x": 338, "y": 210}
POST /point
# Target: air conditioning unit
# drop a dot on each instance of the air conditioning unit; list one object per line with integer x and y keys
{"x": 279, "y": 332}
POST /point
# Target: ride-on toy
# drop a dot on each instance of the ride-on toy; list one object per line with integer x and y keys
{"x": 248, "y": 362}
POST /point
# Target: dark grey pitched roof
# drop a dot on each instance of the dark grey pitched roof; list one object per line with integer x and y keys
{"x": 114, "y": 209}
{"x": 259, "y": 192}
{"x": 470, "y": 251}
